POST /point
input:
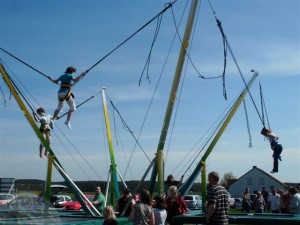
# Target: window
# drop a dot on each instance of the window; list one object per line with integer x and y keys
{"x": 261, "y": 181}
{"x": 249, "y": 181}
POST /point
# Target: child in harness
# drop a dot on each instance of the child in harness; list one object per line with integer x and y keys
{"x": 275, "y": 146}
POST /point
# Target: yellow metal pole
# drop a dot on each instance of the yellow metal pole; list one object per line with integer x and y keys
{"x": 189, "y": 182}
{"x": 115, "y": 192}
{"x": 33, "y": 125}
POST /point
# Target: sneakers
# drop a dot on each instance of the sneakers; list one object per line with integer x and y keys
{"x": 68, "y": 124}
{"x": 273, "y": 171}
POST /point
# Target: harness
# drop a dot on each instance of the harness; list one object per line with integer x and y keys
{"x": 69, "y": 93}
{"x": 44, "y": 127}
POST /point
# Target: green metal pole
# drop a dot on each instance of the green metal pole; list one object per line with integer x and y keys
{"x": 204, "y": 186}
{"x": 172, "y": 99}
{"x": 33, "y": 125}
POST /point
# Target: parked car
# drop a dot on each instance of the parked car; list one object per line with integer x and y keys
{"x": 193, "y": 201}
{"x": 75, "y": 205}
{"x": 230, "y": 200}
{"x": 57, "y": 201}
{"x": 26, "y": 203}
{"x": 6, "y": 198}
{"x": 238, "y": 203}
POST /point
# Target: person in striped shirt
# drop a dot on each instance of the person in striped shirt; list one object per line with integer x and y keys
{"x": 217, "y": 201}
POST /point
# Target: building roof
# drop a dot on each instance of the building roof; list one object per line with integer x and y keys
{"x": 262, "y": 171}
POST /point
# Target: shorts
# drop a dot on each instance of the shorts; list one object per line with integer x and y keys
{"x": 70, "y": 102}
{"x": 47, "y": 135}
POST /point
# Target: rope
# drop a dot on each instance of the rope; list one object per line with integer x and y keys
{"x": 19, "y": 91}
{"x": 89, "y": 165}
{"x": 128, "y": 128}
{"x": 78, "y": 105}
{"x": 207, "y": 141}
{"x": 235, "y": 61}
{"x": 263, "y": 107}
{"x": 248, "y": 125}
{"x": 147, "y": 65}
{"x": 25, "y": 63}
{"x": 131, "y": 36}
{"x": 35, "y": 100}
{"x": 195, "y": 68}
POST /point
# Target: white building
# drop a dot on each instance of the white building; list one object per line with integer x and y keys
{"x": 254, "y": 179}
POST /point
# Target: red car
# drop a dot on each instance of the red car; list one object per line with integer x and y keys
{"x": 75, "y": 205}
{"x": 6, "y": 198}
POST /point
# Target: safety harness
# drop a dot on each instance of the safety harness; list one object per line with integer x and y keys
{"x": 69, "y": 93}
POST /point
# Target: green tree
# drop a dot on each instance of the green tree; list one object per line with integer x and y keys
{"x": 227, "y": 176}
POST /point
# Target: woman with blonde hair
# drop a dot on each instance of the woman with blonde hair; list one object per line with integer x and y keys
{"x": 175, "y": 204}
{"x": 109, "y": 216}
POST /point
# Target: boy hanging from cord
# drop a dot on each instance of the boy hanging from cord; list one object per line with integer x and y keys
{"x": 275, "y": 146}
{"x": 46, "y": 124}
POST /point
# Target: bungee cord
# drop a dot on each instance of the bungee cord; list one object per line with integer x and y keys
{"x": 263, "y": 107}
{"x": 213, "y": 129}
{"x": 23, "y": 86}
{"x": 77, "y": 150}
{"x": 197, "y": 153}
{"x": 147, "y": 64}
{"x": 159, "y": 15}
{"x": 128, "y": 128}
{"x": 248, "y": 124}
{"x": 25, "y": 63}
{"x": 235, "y": 61}
{"x": 85, "y": 101}
{"x": 167, "y": 6}
{"x": 20, "y": 92}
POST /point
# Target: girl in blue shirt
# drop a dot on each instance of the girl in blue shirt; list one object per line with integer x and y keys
{"x": 65, "y": 92}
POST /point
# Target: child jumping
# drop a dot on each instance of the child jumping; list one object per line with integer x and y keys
{"x": 46, "y": 124}
{"x": 275, "y": 146}
{"x": 65, "y": 93}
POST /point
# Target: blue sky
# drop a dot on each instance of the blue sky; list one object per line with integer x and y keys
{"x": 52, "y": 35}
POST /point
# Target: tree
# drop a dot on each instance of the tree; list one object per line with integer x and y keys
{"x": 227, "y": 176}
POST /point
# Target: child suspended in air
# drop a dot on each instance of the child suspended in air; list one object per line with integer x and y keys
{"x": 67, "y": 80}
{"x": 46, "y": 124}
{"x": 275, "y": 146}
